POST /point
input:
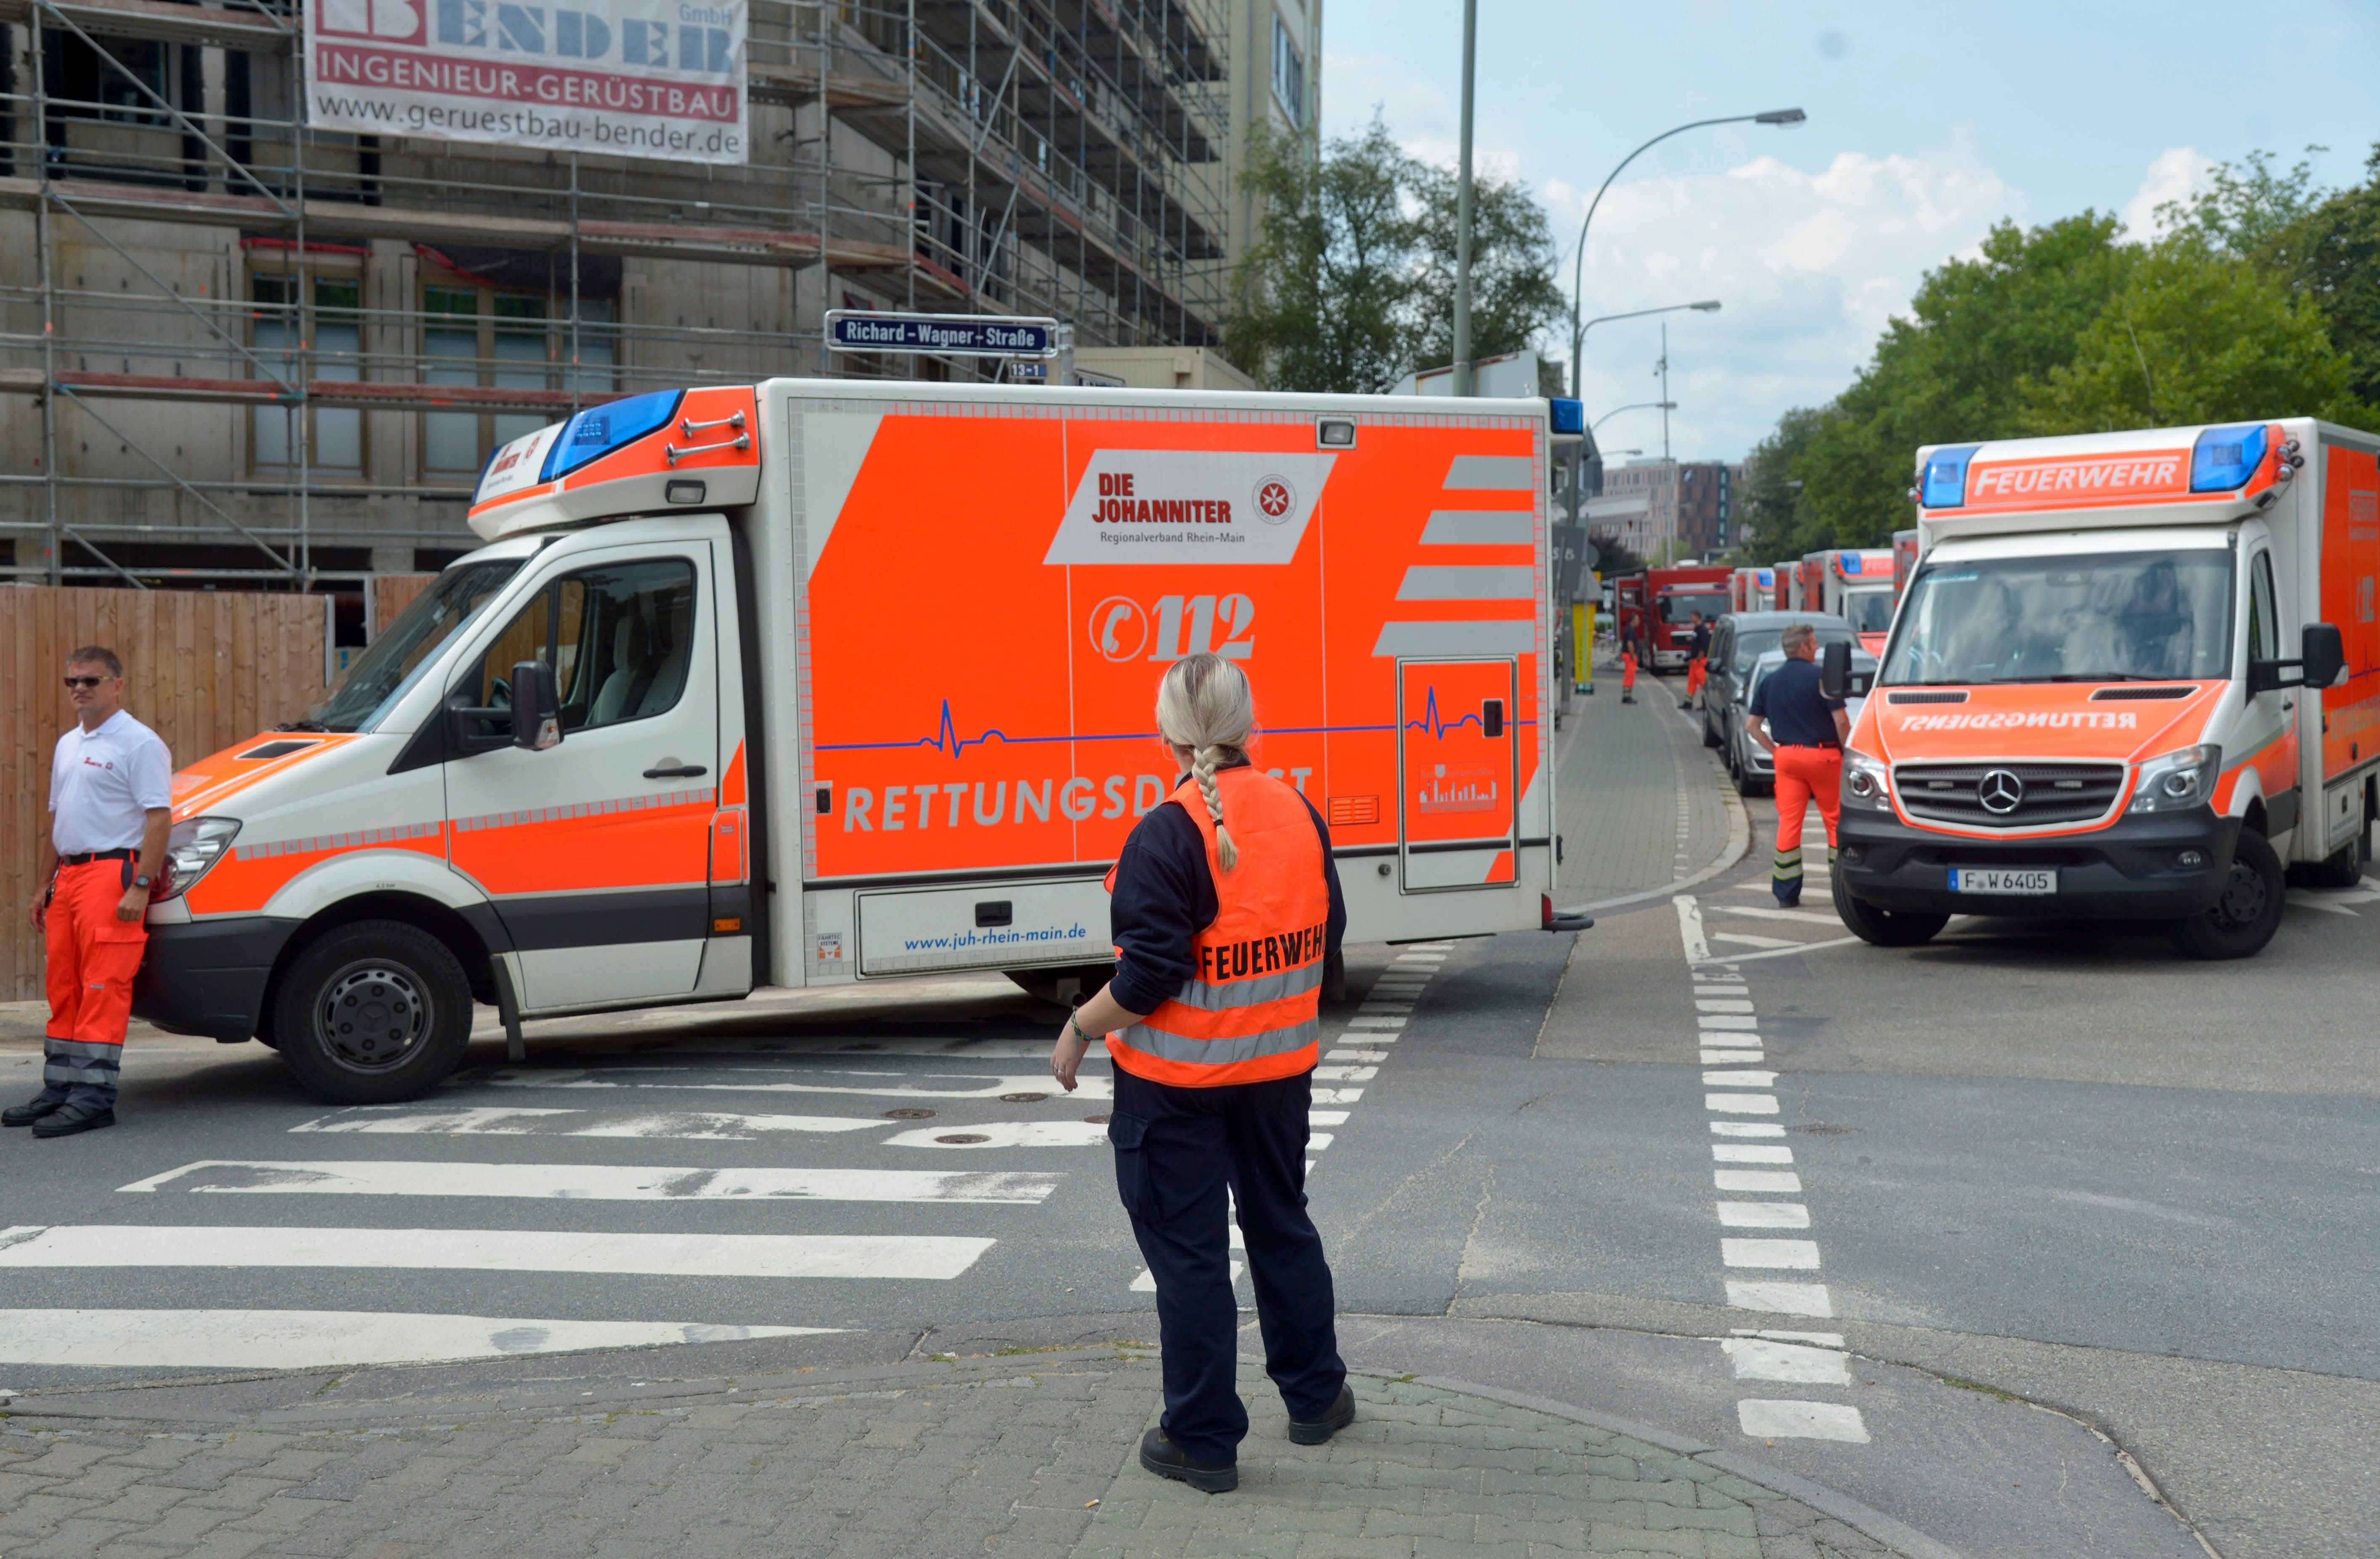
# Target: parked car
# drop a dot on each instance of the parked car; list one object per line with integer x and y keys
{"x": 1740, "y": 644}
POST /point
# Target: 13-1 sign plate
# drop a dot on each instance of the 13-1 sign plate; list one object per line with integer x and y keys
{"x": 1972, "y": 879}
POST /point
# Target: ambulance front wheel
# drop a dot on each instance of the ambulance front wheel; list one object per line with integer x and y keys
{"x": 2246, "y": 912}
{"x": 373, "y": 1013}
{"x": 1886, "y": 928}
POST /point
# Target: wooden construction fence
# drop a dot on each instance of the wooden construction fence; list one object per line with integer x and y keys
{"x": 202, "y": 669}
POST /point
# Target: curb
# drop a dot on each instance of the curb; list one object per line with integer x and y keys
{"x": 1739, "y": 841}
{"x": 1895, "y": 1535}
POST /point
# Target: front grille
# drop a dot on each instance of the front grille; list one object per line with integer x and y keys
{"x": 2052, "y": 792}
{"x": 1956, "y": 695}
{"x": 2117, "y": 695}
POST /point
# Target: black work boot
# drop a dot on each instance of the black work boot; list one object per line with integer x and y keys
{"x": 1316, "y": 1430}
{"x": 31, "y": 1109}
{"x": 1166, "y": 1459}
{"x": 71, "y": 1119}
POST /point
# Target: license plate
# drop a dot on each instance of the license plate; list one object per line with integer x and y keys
{"x": 1972, "y": 879}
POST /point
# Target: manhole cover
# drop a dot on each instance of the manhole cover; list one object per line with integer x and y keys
{"x": 964, "y": 1139}
{"x": 1023, "y": 1098}
{"x": 908, "y": 1114}
{"x": 1822, "y": 1130}
{"x": 1095, "y": 1120}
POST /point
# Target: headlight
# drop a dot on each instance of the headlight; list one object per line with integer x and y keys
{"x": 193, "y": 848}
{"x": 2179, "y": 780}
{"x": 1866, "y": 783}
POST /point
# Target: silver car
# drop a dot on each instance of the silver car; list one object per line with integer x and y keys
{"x": 1754, "y": 771}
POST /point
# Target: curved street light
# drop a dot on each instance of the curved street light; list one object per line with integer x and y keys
{"x": 1637, "y": 405}
{"x": 1778, "y": 117}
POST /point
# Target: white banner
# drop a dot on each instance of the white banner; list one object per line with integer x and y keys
{"x": 631, "y": 77}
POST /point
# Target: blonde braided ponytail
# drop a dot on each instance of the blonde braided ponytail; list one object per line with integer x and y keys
{"x": 1204, "y": 707}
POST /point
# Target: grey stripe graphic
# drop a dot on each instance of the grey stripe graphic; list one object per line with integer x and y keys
{"x": 1501, "y": 581}
{"x": 1480, "y": 528}
{"x": 1211, "y": 997}
{"x": 1500, "y": 473}
{"x": 1218, "y": 1053}
{"x": 1514, "y": 636}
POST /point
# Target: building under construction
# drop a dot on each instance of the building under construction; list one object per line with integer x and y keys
{"x": 239, "y": 350}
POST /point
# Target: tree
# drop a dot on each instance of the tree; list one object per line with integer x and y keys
{"x": 2331, "y": 254}
{"x": 1324, "y": 290}
{"x": 1350, "y": 281}
{"x": 1779, "y": 521}
{"x": 2195, "y": 336}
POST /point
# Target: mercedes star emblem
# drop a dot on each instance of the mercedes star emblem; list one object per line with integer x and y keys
{"x": 2000, "y": 792}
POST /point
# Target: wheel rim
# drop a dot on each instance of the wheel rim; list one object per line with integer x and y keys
{"x": 2241, "y": 902}
{"x": 373, "y": 1018}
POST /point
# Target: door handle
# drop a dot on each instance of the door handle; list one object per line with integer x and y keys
{"x": 677, "y": 770}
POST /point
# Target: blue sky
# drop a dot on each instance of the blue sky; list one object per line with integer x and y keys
{"x": 1928, "y": 122}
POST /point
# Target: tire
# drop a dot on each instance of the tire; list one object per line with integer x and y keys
{"x": 2248, "y": 911}
{"x": 2344, "y": 867}
{"x": 1046, "y": 985}
{"x": 1886, "y": 928}
{"x": 384, "y": 972}
{"x": 1749, "y": 784}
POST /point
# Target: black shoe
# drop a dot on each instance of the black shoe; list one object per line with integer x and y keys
{"x": 1315, "y": 1432}
{"x": 74, "y": 1118}
{"x": 1792, "y": 903}
{"x": 1625, "y": 697}
{"x": 1166, "y": 1459}
{"x": 31, "y": 1109}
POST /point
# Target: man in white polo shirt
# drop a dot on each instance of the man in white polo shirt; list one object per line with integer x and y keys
{"x": 111, "y": 794}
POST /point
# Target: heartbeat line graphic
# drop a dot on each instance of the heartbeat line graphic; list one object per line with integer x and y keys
{"x": 946, "y": 739}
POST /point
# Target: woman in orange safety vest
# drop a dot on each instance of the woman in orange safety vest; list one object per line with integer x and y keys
{"x": 1225, "y": 911}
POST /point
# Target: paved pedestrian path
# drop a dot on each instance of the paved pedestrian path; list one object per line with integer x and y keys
{"x": 1026, "y": 1453}
{"x": 1639, "y": 805}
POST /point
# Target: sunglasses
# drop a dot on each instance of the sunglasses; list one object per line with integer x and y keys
{"x": 85, "y": 681}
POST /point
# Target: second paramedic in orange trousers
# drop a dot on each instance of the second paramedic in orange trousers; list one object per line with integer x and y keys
{"x": 1804, "y": 731}
{"x": 1226, "y": 909}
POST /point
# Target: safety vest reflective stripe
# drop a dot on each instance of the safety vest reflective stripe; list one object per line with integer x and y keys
{"x": 1210, "y": 996}
{"x": 1164, "y": 1046}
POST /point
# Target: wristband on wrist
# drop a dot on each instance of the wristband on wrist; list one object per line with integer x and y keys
{"x": 1077, "y": 1025}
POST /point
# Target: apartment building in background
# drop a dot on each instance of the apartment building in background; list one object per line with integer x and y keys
{"x": 239, "y": 350}
{"x": 1668, "y": 511}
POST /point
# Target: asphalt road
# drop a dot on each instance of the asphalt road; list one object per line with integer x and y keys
{"x": 2057, "y": 1167}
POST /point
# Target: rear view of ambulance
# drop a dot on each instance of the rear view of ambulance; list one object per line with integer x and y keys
{"x": 820, "y": 682}
{"x": 2133, "y": 677}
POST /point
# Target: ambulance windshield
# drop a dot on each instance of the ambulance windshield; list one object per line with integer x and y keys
{"x": 1869, "y": 610}
{"x": 408, "y": 644}
{"x": 2117, "y": 617}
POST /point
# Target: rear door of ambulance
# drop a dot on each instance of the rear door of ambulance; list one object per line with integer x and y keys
{"x": 1000, "y": 585}
{"x": 2350, "y": 552}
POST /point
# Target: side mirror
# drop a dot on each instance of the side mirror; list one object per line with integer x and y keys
{"x": 1835, "y": 670}
{"x": 2322, "y": 655}
{"x": 536, "y": 707}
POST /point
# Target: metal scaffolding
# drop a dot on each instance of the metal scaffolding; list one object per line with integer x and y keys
{"x": 220, "y": 328}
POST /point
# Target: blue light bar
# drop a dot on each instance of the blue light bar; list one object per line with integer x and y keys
{"x": 2226, "y": 458}
{"x": 599, "y": 429}
{"x": 1850, "y": 563}
{"x": 1570, "y": 416}
{"x": 1945, "y": 484}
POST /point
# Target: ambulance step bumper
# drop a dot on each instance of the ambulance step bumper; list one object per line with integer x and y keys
{"x": 208, "y": 977}
{"x": 2136, "y": 868}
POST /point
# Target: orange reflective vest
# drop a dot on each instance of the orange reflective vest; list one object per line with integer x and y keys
{"x": 1250, "y": 1013}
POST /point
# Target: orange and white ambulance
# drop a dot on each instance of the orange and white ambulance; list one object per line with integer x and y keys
{"x": 821, "y": 681}
{"x": 1851, "y": 584}
{"x": 2133, "y": 677}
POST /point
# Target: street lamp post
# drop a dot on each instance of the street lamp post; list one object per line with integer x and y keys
{"x": 1463, "y": 202}
{"x": 1778, "y": 116}
{"x": 1637, "y": 405}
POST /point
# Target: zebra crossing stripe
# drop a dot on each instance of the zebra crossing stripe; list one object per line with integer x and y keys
{"x": 597, "y": 1182}
{"x": 490, "y": 1121}
{"x": 896, "y": 1085}
{"x": 929, "y": 1256}
{"x": 323, "y": 1339}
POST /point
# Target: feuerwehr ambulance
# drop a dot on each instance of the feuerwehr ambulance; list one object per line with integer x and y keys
{"x": 823, "y": 681}
{"x": 2134, "y": 676}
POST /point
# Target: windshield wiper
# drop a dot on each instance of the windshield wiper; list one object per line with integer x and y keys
{"x": 302, "y": 725}
{"x": 2087, "y": 677}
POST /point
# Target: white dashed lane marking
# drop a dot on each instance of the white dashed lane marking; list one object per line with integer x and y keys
{"x": 1736, "y": 1085}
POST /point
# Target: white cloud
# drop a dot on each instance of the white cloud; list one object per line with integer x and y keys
{"x": 1810, "y": 267}
{"x": 2176, "y": 173}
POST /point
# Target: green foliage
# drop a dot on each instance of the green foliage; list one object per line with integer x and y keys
{"x": 1350, "y": 282}
{"x": 2261, "y": 299}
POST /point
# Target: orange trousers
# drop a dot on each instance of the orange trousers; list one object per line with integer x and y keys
{"x": 1805, "y": 774}
{"x": 1695, "y": 670}
{"x": 93, "y": 957}
{"x": 1627, "y": 671}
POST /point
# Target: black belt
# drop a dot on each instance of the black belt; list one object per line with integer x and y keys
{"x": 98, "y": 855}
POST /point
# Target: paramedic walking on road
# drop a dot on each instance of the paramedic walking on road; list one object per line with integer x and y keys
{"x": 1226, "y": 910}
{"x": 111, "y": 793}
{"x": 1805, "y": 730}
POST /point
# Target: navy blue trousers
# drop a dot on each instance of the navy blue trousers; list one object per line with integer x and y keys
{"x": 1177, "y": 1150}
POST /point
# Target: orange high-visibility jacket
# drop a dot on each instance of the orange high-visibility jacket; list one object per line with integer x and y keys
{"x": 1250, "y": 1013}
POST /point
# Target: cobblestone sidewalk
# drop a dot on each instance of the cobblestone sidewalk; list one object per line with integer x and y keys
{"x": 1023, "y": 1455}
{"x": 1638, "y": 802}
